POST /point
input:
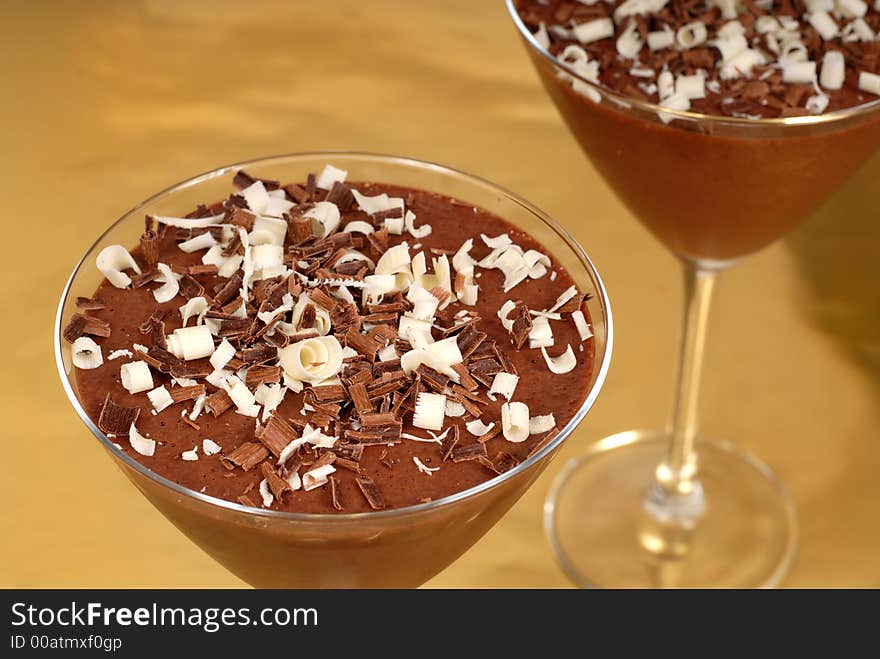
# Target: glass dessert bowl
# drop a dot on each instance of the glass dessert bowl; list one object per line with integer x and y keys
{"x": 659, "y": 508}
{"x": 399, "y": 547}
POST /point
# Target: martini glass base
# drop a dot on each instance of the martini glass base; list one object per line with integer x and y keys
{"x": 596, "y": 521}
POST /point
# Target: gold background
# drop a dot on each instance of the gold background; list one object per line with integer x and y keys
{"x": 104, "y": 103}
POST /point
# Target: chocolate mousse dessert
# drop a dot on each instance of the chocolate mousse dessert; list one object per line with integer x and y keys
{"x": 740, "y": 58}
{"x": 331, "y": 346}
{"x": 723, "y": 182}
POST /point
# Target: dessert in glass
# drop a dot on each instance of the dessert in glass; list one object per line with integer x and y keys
{"x": 329, "y": 369}
{"x": 721, "y": 125}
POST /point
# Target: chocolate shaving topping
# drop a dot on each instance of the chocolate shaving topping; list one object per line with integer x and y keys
{"x": 247, "y": 456}
{"x": 340, "y": 194}
{"x": 89, "y": 304}
{"x": 218, "y": 402}
{"x": 191, "y": 370}
{"x": 115, "y": 419}
{"x": 335, "y": 494}
{"x": 469, "y": 405}
{"x": 258, "y": 354}
{"x": 572, "y": 305}
{"x": 277, "y": 485}
{"x": 311, "y": 186}
{"x": 257, "y": 375}
{"x": 302, "y": 231}
{"x": 74, "y": 328}
{"x": 235, "y": 327}
{"x": 202, "y": 269}
{"x": 229, "y": 290}
{"x": 522, "y": 325}
{"x": 468, "y": 452}
{"x": 190, "y": 287}
{"x": 243, "y": 180}
{"x": 374, "y": 436}
{"x": 278, "y": 340}
{"x": 348, "y": 464}
{"x": 146, "y": 277}
{"x": 435, "y": 380}
{"x": 276, "y": 435}
{"x": 180, "y": 394}
{"x": 295, "y": 193}
{"x": 379, "y": 419}
{"x": 483, "y": 369}
{"x": 150, "y": 247}
{"x": 350, "y": 451}
{"x": 449, "y": 442}
{"x": 89, "y": 325}
{"x": 192, "y": 424}
{"x": 327, "y": 458}
{"x": 245, "y": 500}
{"x": 321, "y": 298}
{"x": 329, "y": 393}
{"x": 147, "y": 326}
{"x": 363, "y": 344}
{"x": 371, "y": 492}
{"x": 490, "y": 434}
{"x": 308, "y": 317}
{"x": 467, "y": 382}
{"x": 360, "y": 398}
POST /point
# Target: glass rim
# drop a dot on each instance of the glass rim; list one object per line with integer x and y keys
{"x": 442, "y": 502}
{"x": 807, "y": 120}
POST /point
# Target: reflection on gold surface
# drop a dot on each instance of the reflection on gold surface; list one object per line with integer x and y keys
{"x": 106, "y": 103}
{"x": 845, "y": 301}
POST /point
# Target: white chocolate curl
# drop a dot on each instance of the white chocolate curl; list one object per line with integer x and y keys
{"x": 330, "y": 175}
{"x": 833, "y": 70}
{"x": 661, "y": 39}
{"x": 824, "y": 24}
{"x": 112, "y": 260}
{"x": 191, "y": 342}
{"x": 141, "y": 444}
{"x": 477, "y": 428}
{"x": 799, "y": 72}
{"x": 160, "y": 398}
{"x": 316, "y": 477}
{"x": 869, "y": 82}
{"x": 266, "y": 493}
{"x": 210, "y": 447}
{"x": 580, "y": 322}
{"x": 326, "y": 215}
{"x": 539, "y": 424}
{"x": 169, "y": 290}
{"x": 136, "y": 377}
{"x": 409, "y": 221}
{"x": 600, "y": 28}
{"x": 439, "y": 355}
{"x": 430, "y": 410}
{"x": 504, "y": 384}
{"x": 312, "y": 360}
{"x": 691, "y": 35}
{"x": 564, "y": 363}
{"x": 86, "y": 354}
{"x": 515, "y": 422}
{"x": 222, "y": 354}
{"x": 194, "y": 307}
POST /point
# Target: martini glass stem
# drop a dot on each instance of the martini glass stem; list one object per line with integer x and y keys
{"x": 676, "y": 494}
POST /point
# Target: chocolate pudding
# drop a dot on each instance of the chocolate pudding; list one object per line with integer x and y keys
{"x": 330, "y": 346}
{"x": 721, "y": 184}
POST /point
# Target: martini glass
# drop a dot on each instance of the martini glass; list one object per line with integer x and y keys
{"x": 395, "y": 548}
{"x": 659, "y": 508}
